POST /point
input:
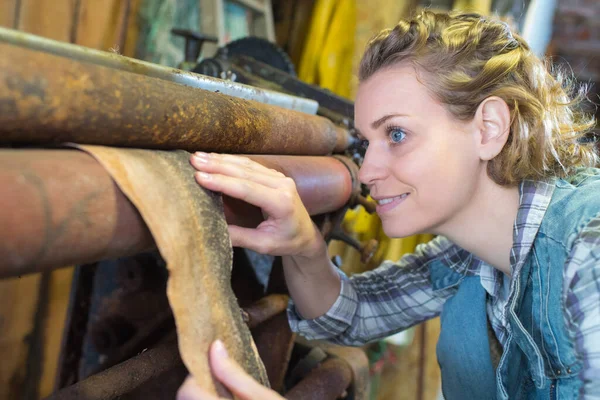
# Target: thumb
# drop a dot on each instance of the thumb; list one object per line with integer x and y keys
{"x": 235, "y": 378}
{"x": 190, "y": 390}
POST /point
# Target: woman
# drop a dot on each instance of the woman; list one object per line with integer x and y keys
{"x": 469, "y": 138}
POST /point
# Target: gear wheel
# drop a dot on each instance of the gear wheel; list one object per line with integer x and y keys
{"x": 261, "y": 50}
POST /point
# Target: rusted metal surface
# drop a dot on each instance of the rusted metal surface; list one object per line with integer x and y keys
{"x": 274, "y": 341}
{"x": 265, "y": 308}
{"x": 326, "y": 382}
{"x": 49, "y": 99}
{"x": 343, "y": 140}
{"x": 130, "y": 311}
{"x": 356, "y": 186}
{"x": 143, "y": 338}
{"x": 125, "y": 377}
{"x": 62, "y": 207}
{"x": 119, "y": 62}
{"x": 355, "y": 358}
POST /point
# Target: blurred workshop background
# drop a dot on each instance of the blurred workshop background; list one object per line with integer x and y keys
{"x": 323, "y": 40}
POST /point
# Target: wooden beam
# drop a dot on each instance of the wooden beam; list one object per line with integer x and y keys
{"x": 59, "y": 293}
{"x": 8, "y": 9}
{"x": 18, "y": 305}
{"x": 96, "y": 24}
{"x": 49, "y": 18}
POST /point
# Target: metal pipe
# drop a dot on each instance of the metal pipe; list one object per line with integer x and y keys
{"x": 119, "y": 62}
{"x": 325, "y": 184}
{"x": 125, "y": 377}
{"x": 326, "y": 382}
{"x": 61, "y": 207}
{"x": 148, "y": 336}
{"x": 343, "y": 140}
{"x": 50, "y": 99}
{"x": 264, "y": 309}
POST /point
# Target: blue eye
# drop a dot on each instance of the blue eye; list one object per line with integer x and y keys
{"x": 397, "y": 135}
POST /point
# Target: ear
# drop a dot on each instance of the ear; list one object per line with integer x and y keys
{"x": 492, "y": 120}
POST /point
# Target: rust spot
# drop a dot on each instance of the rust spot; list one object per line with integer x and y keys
{"x": 34, "y": 87}
{"x": 96, "y": 105}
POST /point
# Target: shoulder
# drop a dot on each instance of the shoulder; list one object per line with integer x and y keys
{"x": 581, "y": 182}
{"x": 581, "y": 279}
{"x": 582, "y": 268}
{"x": 574, "y": 209}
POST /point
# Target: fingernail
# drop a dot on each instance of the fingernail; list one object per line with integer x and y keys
{"x": 202, "y": 157}
{"x": 204, "y": 176}
{"x": 220, "y": 349}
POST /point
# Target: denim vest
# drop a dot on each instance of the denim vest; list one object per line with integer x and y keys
{"x": 539, "y": 360}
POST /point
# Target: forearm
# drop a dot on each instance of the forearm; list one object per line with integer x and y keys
{"x": 313, "y": 284}
{"x": 370, "y": 305}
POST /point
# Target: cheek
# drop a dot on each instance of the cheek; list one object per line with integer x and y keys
{"x": 439, "y": 176}
{"x": 429, "y": 169}
{"x": 447, "y": 185}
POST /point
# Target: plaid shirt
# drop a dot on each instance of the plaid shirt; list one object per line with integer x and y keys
{"x": 398, "y": 295}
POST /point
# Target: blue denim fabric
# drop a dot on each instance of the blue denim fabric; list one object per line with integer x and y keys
{"x": 472, "y": 349}
{"x": 539, "y": 359}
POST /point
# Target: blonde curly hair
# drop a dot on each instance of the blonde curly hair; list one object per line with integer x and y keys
{"x": 466, "y": 58}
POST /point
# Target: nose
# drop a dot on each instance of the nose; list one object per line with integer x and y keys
{"x": 373, "y": 167}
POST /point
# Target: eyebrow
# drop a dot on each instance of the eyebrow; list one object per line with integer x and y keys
{"x": 376, "y": 124}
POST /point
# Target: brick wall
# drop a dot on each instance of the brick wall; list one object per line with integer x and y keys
{"x": 576, "y": 41}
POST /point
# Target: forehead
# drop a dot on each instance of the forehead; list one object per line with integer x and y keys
{"x": 396, "y": 89}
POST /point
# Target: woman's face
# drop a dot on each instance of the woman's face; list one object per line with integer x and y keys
{"x": 421, "y": 163}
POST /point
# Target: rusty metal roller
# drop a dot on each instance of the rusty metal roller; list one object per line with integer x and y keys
{"x": 61, "y": 206}
{"x": 51, "y": 99}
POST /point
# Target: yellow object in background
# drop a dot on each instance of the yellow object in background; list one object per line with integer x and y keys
{"x": 327, "y": 57}
{"x": 482, "y": 7}
{"x": 335, "y": 62}
{"x": 315, "y": 39}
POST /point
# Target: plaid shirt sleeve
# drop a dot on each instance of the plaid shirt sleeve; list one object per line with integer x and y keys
{"x": 378, "y": 303}
{"x": 582, "y": 298}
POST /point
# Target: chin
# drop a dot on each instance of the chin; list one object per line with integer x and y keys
{"x": 399, "y": 230}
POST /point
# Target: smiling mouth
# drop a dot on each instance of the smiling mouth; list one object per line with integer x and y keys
{"x": 383, "y": 202}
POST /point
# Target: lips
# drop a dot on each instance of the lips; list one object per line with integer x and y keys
{"x": 388, "y": 200}
{"x": 386, "y": 204}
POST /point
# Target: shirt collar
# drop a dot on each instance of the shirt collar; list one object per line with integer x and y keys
{"x": 534, "y": 199}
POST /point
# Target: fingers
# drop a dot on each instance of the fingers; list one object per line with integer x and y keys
{"x": 235, "y": 378}
{"x": 191, "y": 391}
{"x": 237, "y": 167}
{"x": 277, "y": 203}
{"x": 243, "y": 161}
{"x": 253, "y": 239}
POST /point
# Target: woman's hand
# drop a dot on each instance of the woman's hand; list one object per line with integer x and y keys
{"x": 287, "y": 229}
{"x": 231, "y": 375}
